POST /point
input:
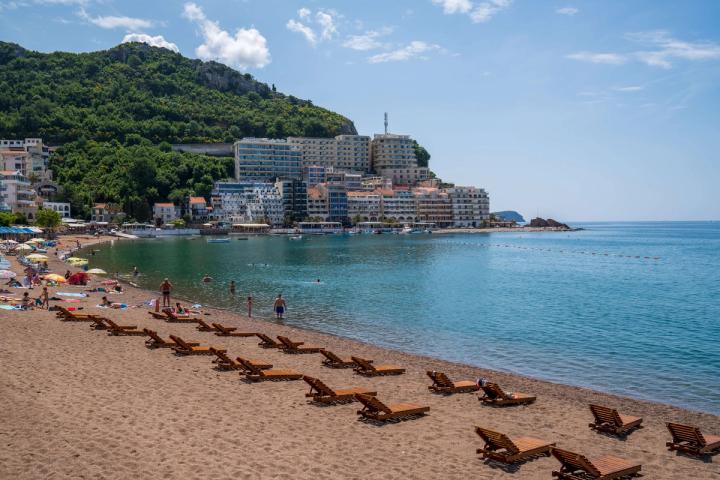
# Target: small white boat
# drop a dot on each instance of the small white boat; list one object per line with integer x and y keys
{"x": 218, "y": 240}
{"x": 295, "y": 237}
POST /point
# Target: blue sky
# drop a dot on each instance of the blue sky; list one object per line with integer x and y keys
{"x": 575, "y": 109}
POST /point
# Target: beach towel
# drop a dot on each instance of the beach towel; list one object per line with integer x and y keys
{"x": 9, "y": 307}
{"x": 71, "y": 294}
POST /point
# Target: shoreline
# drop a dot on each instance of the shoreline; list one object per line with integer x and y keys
{"x": 86, "y": 391}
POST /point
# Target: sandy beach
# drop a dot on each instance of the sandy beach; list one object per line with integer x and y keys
{"x": 79, "y": 403}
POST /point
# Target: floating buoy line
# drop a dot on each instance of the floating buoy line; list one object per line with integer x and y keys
{"x": 572, "y": 252}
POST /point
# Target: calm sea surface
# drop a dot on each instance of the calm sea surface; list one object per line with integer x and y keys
{"x": 629, "y": 308}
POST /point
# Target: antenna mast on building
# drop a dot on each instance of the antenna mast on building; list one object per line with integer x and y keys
{"x": 386, "y": 123}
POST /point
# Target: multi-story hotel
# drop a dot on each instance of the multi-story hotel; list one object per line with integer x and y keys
{"x": 398, "y": 205}
{"x": 317, "y": 207}
{"x": 433, "y": 206}
{"x": 470, "y": 206}
{"x": 30, "y": 156}
{"x": 294, "y": 199}
{"x": 345, "y": 152}
{"x": 17, "y": 194}
{"x": 364, "y": 206}
{"x": 393, "y": 156}
{"x": 262, "y": 159}
{"x": 248, "y": 202}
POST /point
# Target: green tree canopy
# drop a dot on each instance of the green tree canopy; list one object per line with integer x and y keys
{"x": 47, "y": 218}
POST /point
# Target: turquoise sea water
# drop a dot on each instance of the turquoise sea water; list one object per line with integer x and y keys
{"x": 629, "y": 308}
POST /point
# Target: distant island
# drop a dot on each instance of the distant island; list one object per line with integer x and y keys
{"x": 509, "y": 216}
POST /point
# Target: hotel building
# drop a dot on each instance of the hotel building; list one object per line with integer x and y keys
{"x": 433, "y": 206}
{"x": 262, "y": 159}
{"x": 364, "y": 206}
{"x": 393, "y": 156}
{"x": 470, "y": 206}
{"x": 17, "y": 194}
{"x": 248, "y": 202}
{"x": 344, "y": 152}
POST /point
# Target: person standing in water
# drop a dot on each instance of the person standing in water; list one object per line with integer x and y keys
{"x": 279, "y": 306}
{"x": 232, "y": 287}
{"x": 136, "y": 272}
{"x": 166, "y": 288}
{"x": 207, "y": 278}
{"x": 250, "y": 305}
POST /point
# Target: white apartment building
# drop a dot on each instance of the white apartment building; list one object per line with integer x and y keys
{"x": 17, "y": 194}
{"x": 470, "y": 206}
{"x": 434, "y": 206}
{"x": 393, "y": 156}
{"x": 248, "y": 202}
{"x": 398, "y": 205}
{"x": 364, "y": 206}
{"x": 63, "y": 208}
{"x": 347, "y": 152}
{"x": 164, "y": 213}
{"x": 313, "y": 174}
{"x": 30, "y": 156}
{"x": 405, "y": 176}
{"x": 14, "y": 160}
{"x": 262, "y": 159}
{"x": 317, "y": 204}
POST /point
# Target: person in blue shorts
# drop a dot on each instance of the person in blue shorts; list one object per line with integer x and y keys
{"x": 279, "y": 306}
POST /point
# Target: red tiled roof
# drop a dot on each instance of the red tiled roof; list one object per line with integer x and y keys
{"x": 16, "y": 153}
{"x": 164, "y": 205}
{"x": 197, "y": 200}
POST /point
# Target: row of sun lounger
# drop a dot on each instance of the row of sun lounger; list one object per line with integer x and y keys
{"x": 498, "y": 447}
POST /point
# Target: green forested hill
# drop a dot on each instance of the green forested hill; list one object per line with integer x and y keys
{"x": 115, "y": 111}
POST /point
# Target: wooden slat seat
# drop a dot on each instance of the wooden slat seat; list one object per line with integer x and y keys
{"x": 608, "y": 420}
{"x": 66, "y": 315}
{"x": 186, "y": 348}
{"x": 443, "y": 384}
{"x": 255, "y": 374}
{"x": 494, "y": 395}
{"x": 366, "y": 367}
{"x": 688, "y": 439}
{"x": 333, "y": 361}
{"x": 320, "y": 392}
{"x": 502, "y": 448}
{"x": 297, "y": 347}
{"x": 374, "y": 409}
{"x": 224, "y": 362}
{"x": 156, "y": 341}
{"x": 204, "y": 327}
{"x": 223, "y": 331}
{"x": 578, "y": 467}
{"x": 122, "y": 330}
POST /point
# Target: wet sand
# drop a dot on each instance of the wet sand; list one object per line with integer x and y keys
{"x": 78, "y": 403}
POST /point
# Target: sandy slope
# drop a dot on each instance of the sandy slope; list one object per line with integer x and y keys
{"x": 77, "y": 403}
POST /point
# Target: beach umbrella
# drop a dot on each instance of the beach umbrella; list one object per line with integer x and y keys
{"x": 75, "y": 259}
{"x": 9, "y": 242}
{"x": 37, "y": 240}
{"x": 24, "y": 248}
{"x": 97, "y": 271}
{"x": 7, "y": 274}
{"x": 36, "y": 257}
{"x": 54, "y": 277}
{"x": 79, "y": 263}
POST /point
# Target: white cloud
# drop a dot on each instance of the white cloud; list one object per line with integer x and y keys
{"x": 158, "y": 41}
{"x": 327, "y": 24}
{"x": 415, "y": 49}
{"x": 479, "y": 12}
{"x": 454, "y": 6}
{"x": 629, "y": 88}
{"x": 367, "y": 41}
{"x": 570, "y": 11}
{"x": 665, "y": 50}
{"x": 304, "y": 30}
{"x": 128, "y": 23}
{"x": 606, "y": 58}
{"x": 304, "y": 13}
{"x": 247, "y": 49}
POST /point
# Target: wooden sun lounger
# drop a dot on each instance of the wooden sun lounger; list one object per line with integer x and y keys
{"x": 577, "y": 467}
{"x": 442, "y": 384}
{"x": 374, "y": 409}
{"x": 267, "y": 342}
{"x": 224, "y": 362}
{"x": 122, "y": 330}
{"x": 257, "y": 374}
{"x": 608, "y": 420}
{"x": 297, "y": 347}
{"x": 333, "y": 361}
{"x": 98, "y": 323}
{"x": 158, "y": 316}
{"x": 185, "y": 348}
{"x": 691, "y": 440}
{"x": 502, "y": 448}
{"x": 222, "y": 331}
{"x": 204, "y": 327}
{"x": 320, "y": 392}
{"x": 170, "y": 317}
{"x": 365, "y": 367}
{"x": 66, "y": 315}
{"x": 156, "y": 341}
{"x": 494, "y": 395}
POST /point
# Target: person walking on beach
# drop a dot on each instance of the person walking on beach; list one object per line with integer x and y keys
{"x": 279, "y": 306}
{"x": 232, "y": 287}
{"x": 45, "y": 298}
{"x": 250, "y": 305}
{"x": 165, "y": 289}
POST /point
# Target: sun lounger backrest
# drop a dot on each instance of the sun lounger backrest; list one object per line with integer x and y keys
{"x": 440, "y": 379}
{"x": 606, "y": 415}
{"x": 686, "y": 433}
{"x": 153, "y": 334}
{"x": 221, "y": 355}
{"x": 220, "y": 328}
{"x": 202, "y": 323}
{"x": 181, "y": 343}
{"x": 363, "y": 364}
{"x": 493, "y": 390}
{"x": 331, "y": 356}
{"x": 497, "y": 440}
{"x": 318, "y": 385}
{"x": 575, "y": 461}
{"x": 372, "y": 403}
{"x": 265, "y": 339}
{"x": 249, "y": 366}
{"x": 286, "y": 341}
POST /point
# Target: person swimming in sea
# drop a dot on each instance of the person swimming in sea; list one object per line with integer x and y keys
{"x": 207, "y": 278}
{"x": 232, "y": 287}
